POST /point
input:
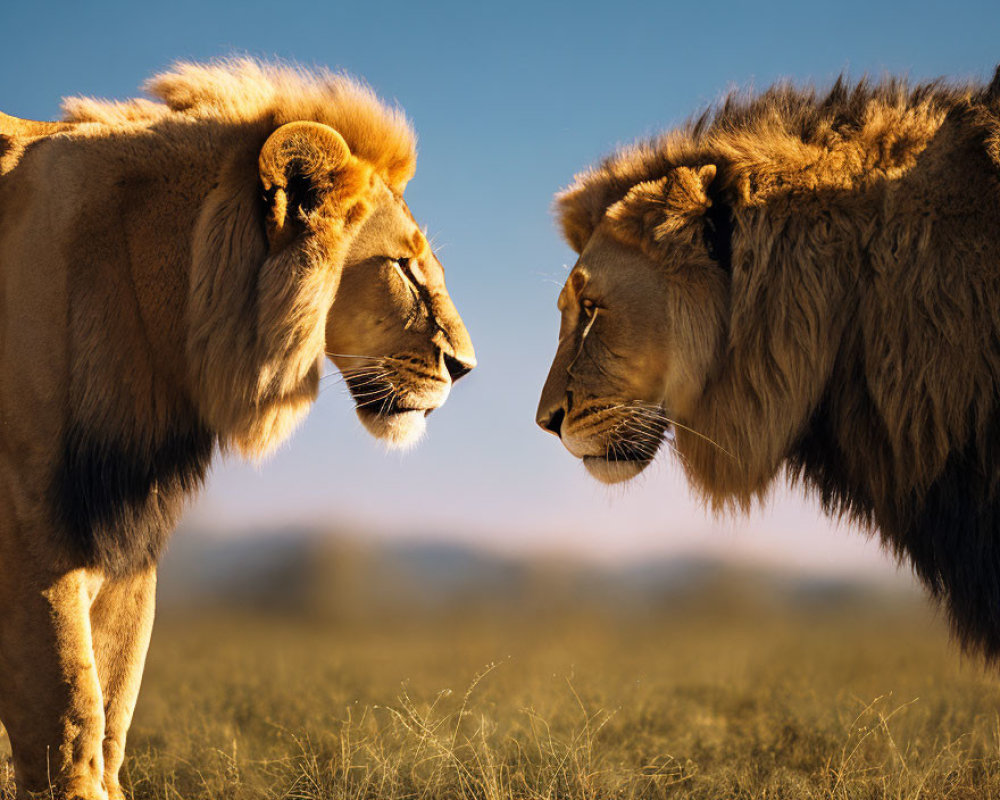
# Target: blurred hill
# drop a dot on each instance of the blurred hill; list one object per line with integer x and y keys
{"x": 313, "y": 664}
{"x": 337, "y": 575}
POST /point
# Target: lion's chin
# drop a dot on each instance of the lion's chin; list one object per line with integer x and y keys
{"x": 399, "y": 430}
{"x": 607, "y": 471}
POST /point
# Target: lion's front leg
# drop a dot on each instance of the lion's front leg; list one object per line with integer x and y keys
{"x": 122, "y": 620}
{"x": 50, "y": 696}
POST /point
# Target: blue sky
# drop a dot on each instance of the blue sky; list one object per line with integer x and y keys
{"x": 508, "y": 100}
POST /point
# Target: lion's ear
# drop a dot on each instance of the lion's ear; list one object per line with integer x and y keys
{"x": 667, "y": 202}
{"x": 653, "y": 210}
{"x": 298, "y": 163}
{"x": 688, "y": 189}
{"x": 718, "y": 220}
{"x": 641, "y": 212}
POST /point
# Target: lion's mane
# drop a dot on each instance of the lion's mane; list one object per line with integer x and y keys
{"x": 861, "y": 231}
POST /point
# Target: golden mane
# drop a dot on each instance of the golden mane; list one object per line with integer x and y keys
{"x": 244, "y": 90}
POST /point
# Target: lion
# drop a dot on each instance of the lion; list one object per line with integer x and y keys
{"x": 174, "y": 273}
{"x": 806, "y": 285}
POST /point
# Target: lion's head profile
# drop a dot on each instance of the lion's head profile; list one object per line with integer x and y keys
{"x": 368, "y": 293}
{"x": 393, "y": 331}
{"x": 303, "y": 247}
{"x": 806, "y": 284}
{"x": 640, "y": 330}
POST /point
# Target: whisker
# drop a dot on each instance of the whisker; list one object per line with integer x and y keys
{"x": 645, "y": 440}
{"x": 367, "y": 380}
{"x": 366, "y": 370}
{"x": 368, "y": 391}
{"x": 703, "y": 437}
{"x": 653, "y": 411}
{"x": 352, "y": 355}
{"x": 679, "y": 454}
{"x": 638, "y": 429}
{"x": 369, "y": 358}
{"x": 352, "y": 374}
{"x": 373, "y": 367}
{"x": 385, "y": 403}
{"x": 375, "y": 392}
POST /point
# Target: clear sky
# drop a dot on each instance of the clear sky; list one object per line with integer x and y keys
{"x": 509, "y": 101}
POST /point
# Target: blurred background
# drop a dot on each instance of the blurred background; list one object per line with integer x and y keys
{"x": 509, "y": 101}
{"x": 325, "y": 617}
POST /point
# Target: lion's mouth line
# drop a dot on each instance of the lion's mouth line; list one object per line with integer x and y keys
{"x": 390, "y": 407}
{"x": 382, "y": 398}
{"x": 620, "y": 464}
{"x": 630, "y": 455}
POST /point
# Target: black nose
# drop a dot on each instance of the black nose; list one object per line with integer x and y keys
{"x": 554, "y": 423}
{"x": 455, "y": 367}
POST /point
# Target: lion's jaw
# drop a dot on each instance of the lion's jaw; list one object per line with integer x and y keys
{"x": 399, "y": 430}
{"x": 393, "y": 331}
{"x": 615, "y": 439}
{"x": 395, "y": 407}
{"x": 611, "y": 472}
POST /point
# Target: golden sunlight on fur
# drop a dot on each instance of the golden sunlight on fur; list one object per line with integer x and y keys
{"x": 175, "y": 272}
{"x": 810, "y": 284}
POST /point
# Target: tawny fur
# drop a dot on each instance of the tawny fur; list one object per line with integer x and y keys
{"x": 860, "y": 343}
{"x": 244, "y": 90}
{"x": 168, "y": 271}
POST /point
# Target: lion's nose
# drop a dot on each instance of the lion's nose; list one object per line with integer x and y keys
{"x": 457, "y": 367}
{"x": 552, "y": 420}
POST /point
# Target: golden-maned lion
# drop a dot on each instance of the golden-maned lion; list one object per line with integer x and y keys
{"x": 169, "y": 278}
{"x": 810, "y": 283}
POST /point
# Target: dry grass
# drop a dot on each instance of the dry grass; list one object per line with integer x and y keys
{"x": 706, "y": 698}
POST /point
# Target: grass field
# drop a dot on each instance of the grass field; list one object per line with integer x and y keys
{"x": 720, "y": 693}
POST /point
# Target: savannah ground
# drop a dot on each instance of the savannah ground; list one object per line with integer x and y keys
{"x": 727, "y": 688}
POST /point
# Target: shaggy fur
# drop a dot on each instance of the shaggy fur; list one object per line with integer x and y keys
{"x": 854, "y": 242}
{"x": 169, "y": 270}
{"x": 251, "y": 380}
{"x": 243, "y": 91}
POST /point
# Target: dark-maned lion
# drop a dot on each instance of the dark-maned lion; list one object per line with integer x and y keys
{"x": 169, "y": 279}
{"x": 808, "y": 282}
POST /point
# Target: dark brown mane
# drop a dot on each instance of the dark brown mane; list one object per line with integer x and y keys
{"x": 860, "y": 339}
{"x": 813, "y": 117}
